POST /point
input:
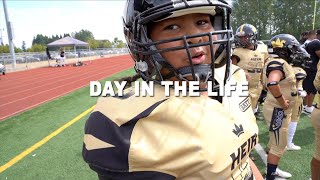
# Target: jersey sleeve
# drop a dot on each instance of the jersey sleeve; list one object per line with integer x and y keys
{"x": 107, "y": 144}
{"x": 275, "y": 65}
{"x": 235, "y": 54}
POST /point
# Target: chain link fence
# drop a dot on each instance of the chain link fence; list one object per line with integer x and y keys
{"x": 27, "y": 60}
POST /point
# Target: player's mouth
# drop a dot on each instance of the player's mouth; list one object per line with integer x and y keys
{"x": 198, "y": 58}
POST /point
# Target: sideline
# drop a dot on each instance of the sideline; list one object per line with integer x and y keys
{"x": 44, "y": 140}
{"x": 261, "y": 153}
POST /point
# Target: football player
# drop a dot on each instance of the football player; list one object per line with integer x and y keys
{"x": 159, "y": 137}
{"x": 279, "y": 78}
{"x": 250, "y": 56}
{"x": 298, "y": 107}
{"x": 315, "y": 119}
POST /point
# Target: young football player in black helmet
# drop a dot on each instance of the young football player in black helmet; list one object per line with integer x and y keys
{"x": 250, "y": 56}
{"x": 280, "y": 79}
{"x": 173, "y": 137}
{"x": 297, "y": 108}
{"x": 298, "y": 66}
{"x": 315, "y": 119}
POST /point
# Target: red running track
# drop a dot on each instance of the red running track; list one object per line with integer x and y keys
{"x": 20, "y": 91}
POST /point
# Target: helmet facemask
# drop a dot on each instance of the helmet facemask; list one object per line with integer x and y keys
{"x": 299, "y": 56}
{"x": 247, "y": 41}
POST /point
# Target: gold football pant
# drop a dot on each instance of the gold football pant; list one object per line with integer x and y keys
{"x": 297, "y": 109}
{"x": 278, "y": 121}
{"x": 315, "y": 119}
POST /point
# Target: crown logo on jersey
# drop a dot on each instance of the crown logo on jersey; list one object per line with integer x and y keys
{"x": 278, "y": 43}
{"x": 238, "y": 130}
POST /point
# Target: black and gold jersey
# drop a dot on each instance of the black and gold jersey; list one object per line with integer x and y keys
{"x": 252, "y": 62}
{"x": 287, "y": 84}
{"x": 162, "y": 137}
{"x": 298, "y": 107}
{"x": 300, "y": 76}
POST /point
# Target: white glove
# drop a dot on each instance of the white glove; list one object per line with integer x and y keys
{"x": 302, "y": 93}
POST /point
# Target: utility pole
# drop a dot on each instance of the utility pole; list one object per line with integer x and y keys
{"x": 1, "y": 41}
{"x": 314, "y": 13}
{"x": 10, "y": 35}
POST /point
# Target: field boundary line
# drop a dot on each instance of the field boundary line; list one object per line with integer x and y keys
{"x": 44, "y": 140}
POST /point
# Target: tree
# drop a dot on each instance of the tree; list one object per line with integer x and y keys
{"x": 40, "y": 39}
{"x": 66, "y": 35}
{"x": 272, "y": 17}
{"x": 23, "y": 47}
{"x": 121, "y": 44}
{"x": 93, "y": 43}
{"x": 17, "y": 50}
{"x": 105, "y": 44}
{"x": 118, "y": 43}
{"x": 37, "y": 48}
{"x": 4, "y": 49}
{"x": 83, "y": 35}
{"x": 244, "y": 11}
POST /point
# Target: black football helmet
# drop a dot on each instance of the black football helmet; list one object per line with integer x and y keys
{"x": 288, "y": 48}
{"x": 248, "y": 31}
{"x": 138, "y": 14}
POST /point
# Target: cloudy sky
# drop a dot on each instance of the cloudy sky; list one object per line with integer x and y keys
{"x": 52, "y": 17}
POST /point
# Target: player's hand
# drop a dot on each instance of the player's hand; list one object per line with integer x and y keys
{"x": 285, "y": 106}
{"x": 248, "y": 77}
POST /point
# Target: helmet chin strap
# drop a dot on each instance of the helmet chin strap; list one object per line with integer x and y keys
{"x": 202, "y": 72}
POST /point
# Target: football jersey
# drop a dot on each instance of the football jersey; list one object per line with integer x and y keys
{"x": 287, "y": 84}
{"x": 263, "y": 50}
{"x": 162, "y": 137}
{"x": 298, "y": 107}
{"x": 252, "y": 62}
{"x": 316, "y": 83}
{"x": 300, "y": 76}
{"x": 315, "y": 116}
{"x": 236, "y": 103}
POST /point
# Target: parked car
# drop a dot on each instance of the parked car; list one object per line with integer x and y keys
{"x": 32, "y": 58}
{"x": 71, "y": 55}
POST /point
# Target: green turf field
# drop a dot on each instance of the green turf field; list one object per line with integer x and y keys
{"x": 60, "y": 157}
{"x": 295, "y": 162}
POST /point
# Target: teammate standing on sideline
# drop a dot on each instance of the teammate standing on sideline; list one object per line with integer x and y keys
{"x": 310, "y": 36}
{"x": 249, "y": 57}
{"x": 161, "y": 137}
{"x": 315, "y": 120}
{"x": 298, "y": 107}
{"x": 303, "y": 37}
{"x": 280, "y": 80}
{"x": 313, "y": 48}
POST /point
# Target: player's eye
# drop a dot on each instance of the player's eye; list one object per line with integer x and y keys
{"x": 171, "y": 27}
{"x": 202, "y": 22}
